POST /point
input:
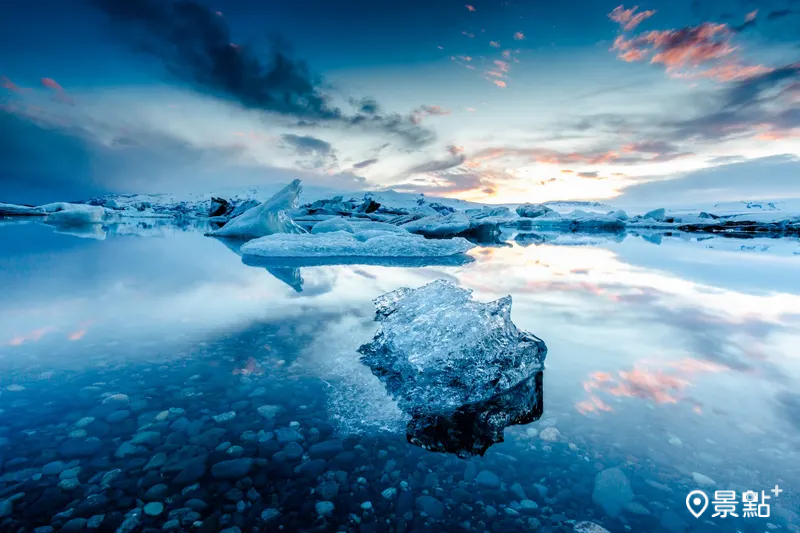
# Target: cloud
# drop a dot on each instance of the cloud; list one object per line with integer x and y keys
{"x": 702, "y": 51}
{"x": 650, "y": 147}
{"x": 365, "y": 164}
{"x": 195, "y": 46}
{"x": 428, "y": 111}
{"x": 628, "y": 18}
{"x": 513, "y": 155}
{"x": 437, "y": 165}
{"x": 494, "y": 44}
{"x": 592, "y": 175}
{"x": 450, "y": 182}
{"x": 760, "y": 105}
{"x": 306, "y": 145}
{"x": 319, "y": 153}
{"x": 756, "y": 179}
{"x": 519, "y": 36}
{"x": 470, "y": 7}
{"x": 6, "y": 83}
{"x": 60, "y": 94}
{"x": 455, "y": 149}
{"x": 780, "y": 13}
{"x": 753, "y": 90}
{"x": 690, "y": 46}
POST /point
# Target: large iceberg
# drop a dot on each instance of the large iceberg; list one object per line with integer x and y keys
{"x": 270, "y": 217}
{"x": 14, "y": 210}
{"x": 437, "y": 349}
{"x": 67, "y": 214}
{"x": 367, "y": 243}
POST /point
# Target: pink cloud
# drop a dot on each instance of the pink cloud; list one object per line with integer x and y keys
{"x": 455, "y": 149}
{"x": 500, "y": 83}
{"x": 6, "y": 83}
{"x": 628, "y": 18}
{"x": 690, "y": 46}
{"x": 50, "y": 83}
{"x": 76, "y": 335}
{"x": 494, "y": 44}
{"x": 470, "y": 7}
{"x": 519, "y": 36}
{"x": 31, "y": 336}
{"x": 703, "y": 51}
{"x": 751, "y": 16}
{"x": 60, "y": 94}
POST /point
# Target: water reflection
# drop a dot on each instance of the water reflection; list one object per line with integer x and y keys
{"x": 473, "y": 428}
{"x": 667, "y": 358}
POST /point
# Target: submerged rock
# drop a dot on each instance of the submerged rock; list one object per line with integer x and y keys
{"x": 612, "y": 491}
{"x": 266, "y": 218}
{"x": 437, "y": 349}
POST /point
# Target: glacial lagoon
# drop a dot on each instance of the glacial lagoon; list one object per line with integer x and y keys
{"x": 153, "y": 381}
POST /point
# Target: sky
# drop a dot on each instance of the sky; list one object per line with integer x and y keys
{"x": 501, "y": 101}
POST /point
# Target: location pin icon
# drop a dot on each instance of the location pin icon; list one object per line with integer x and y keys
{"x": 697, "y": 502}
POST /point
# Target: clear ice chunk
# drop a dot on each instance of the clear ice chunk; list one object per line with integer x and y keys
{"x": 437, "y": 349}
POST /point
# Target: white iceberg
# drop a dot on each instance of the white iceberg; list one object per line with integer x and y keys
{"x": 533, "y": 210}
{"x": 14, "y": 210}
{"x": 363, "y": 244}
{"x": 270, "y": 217}
{"x": 439, "y": 226}
{"x": 578, "y": 220}
{"x": 437, "y": 349}
{"x": 67, "y": 214}
{"x": 332, "y": 224}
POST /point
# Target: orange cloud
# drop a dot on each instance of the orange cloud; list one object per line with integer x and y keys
{"x": 707, "y": 47}
{"x": 628, "y": 18}
{"x": 76, "y": 335}
{"x": 32, "y": 336}
{"x": 658, "y": 386}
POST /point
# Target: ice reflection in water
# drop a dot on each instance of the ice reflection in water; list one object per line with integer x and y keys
{"x": 669, "y": 356}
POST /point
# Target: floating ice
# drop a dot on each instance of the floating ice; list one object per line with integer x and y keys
{"x": 533, "y": 210}
{"x": 439, "y": 226}
{"x": 20, "y": 210}
{"x": 366, "y": 244}
{"x": 332, "y": 224}
{"x": 473, "y": 428}
{"x": 267, "y": 218}
{"x": 66, "y": 214}
{"x": 437, "y": 349}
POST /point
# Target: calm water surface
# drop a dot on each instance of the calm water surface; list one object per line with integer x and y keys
{"x": 136, "y": 360}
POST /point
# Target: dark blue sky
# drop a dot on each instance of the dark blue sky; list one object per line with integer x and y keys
{"x": 497, "y": 101}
